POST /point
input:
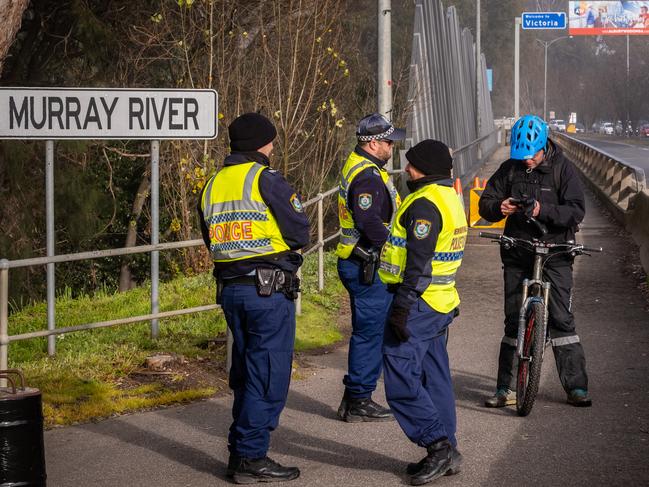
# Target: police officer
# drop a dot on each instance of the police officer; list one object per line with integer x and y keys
{"x": 419, "y": 262}
{"x": 367, "y": 199}
{"x": 253, "y": 222}
{"x": 538, "y": 171}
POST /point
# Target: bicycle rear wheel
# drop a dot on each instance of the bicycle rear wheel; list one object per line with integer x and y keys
{"x": 529, "y": 369}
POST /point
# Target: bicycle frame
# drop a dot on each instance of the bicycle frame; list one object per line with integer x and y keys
{"x": 534, "y": 290}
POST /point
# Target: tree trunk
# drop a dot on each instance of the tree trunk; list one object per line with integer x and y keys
{"x": 11, "y": 14}
{"x": 125, "y": 279}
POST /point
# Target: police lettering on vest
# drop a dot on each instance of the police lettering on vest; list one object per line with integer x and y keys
{"x": 240, "y": 224}
{"x": 441, "y": 294}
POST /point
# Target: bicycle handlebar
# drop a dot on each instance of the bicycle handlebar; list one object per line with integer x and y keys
{"x": 568, "y": 247}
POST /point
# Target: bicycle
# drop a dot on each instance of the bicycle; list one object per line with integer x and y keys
{"x": 533, "y": 334}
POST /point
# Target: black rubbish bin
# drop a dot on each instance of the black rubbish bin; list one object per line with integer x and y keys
{"x": 22, "y": 454}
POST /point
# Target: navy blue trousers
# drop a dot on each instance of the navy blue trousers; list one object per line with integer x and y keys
{"x": 263, "y": 329}
{"x": 417, "y": 377}
{"x": 369, "y": 307}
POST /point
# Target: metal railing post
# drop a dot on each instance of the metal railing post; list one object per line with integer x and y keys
{"x": 4, "y": 318}
{"x": 155, "y": 232}
{"x": 320, "y": 243}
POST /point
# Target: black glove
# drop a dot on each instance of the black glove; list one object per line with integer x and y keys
{"x": 397, "y": 321}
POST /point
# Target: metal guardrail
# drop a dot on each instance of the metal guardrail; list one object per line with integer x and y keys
{"x": 6, "y": 265}
{"x": 622, "y": 186}
{"x": 616, "y": 180}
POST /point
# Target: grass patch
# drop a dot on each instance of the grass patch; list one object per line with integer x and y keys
{"x": 91, "y": 375}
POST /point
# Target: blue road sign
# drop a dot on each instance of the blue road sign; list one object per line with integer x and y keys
{"x": 543, "y": 20}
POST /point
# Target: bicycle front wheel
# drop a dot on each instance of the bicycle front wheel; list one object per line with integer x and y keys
{"x": 529, "y": 366}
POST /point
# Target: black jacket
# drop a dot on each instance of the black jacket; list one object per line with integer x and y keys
{"x": 291, "y": 219}
{"x": 562, "y": 207}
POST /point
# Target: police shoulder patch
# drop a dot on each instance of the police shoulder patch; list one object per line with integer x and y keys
{"x": 297, "y": 204}
{"x": 364, "y": 201}
{"x": 422, "y": 229}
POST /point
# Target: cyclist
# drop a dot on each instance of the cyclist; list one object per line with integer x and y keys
{"x": 538, "y": 181}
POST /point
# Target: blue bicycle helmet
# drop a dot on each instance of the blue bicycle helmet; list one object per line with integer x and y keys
{"x": 529, "y": 135}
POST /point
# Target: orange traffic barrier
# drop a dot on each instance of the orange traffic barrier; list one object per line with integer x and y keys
{"x": 484, "y": 183}
{"x": 476, "y": 182}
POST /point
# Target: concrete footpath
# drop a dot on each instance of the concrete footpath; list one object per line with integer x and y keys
{"x": 607, "y": 444}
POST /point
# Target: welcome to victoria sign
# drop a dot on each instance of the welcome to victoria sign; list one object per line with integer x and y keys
{"x": 110, "y": 113}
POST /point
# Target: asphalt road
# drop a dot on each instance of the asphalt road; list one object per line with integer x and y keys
{"x": 633, "y": 151}
{"x": 557, "y": 444}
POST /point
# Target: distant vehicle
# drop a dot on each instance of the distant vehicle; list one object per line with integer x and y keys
{"x": 558, "y": 125}
{"x": 595, "y": 127}
{"x": 643, "y": 130}
{"x": 579, "y": 128}
{"x": 619, "y": 128}
{"x": 607, "y": 128}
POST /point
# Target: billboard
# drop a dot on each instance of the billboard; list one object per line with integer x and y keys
{"x": 608, "y": 18}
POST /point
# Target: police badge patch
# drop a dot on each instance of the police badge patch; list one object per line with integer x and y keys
{"x": 297, "y": 204}
{"x": 422, "y": 229}
{"x": 364, "y": 201}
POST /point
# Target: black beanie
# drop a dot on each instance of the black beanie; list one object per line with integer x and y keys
{"x": 250, "y": 131}
{"x": 431, "y": 157}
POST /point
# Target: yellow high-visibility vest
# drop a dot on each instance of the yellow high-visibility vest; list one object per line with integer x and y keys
{"x": 240, "y": 224}
{"x": 441, "y": 294}
{"x": 349, "y": 234}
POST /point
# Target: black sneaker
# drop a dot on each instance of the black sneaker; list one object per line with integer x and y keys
{"x": 435, "y": 465}
{"x": 253, "y": 470}
{"x": 455, "y": 468}
{"x": 579, "y": 398}
{"x": 364, "y": 410}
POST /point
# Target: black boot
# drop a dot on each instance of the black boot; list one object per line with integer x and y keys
{"x": 364, "y": 409}
{"x": 436, "y": 463}
{"x": 233, "y": 463}
{"x": 455, "y": 468}
{"x": 344, "y": 406}
{"x": 253, "y": 470}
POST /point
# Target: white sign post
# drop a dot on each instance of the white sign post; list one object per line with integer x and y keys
{"x": 106, "y": 113}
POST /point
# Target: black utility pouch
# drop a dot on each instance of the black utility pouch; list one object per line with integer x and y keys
{"x": 265, "y": 281}
{"x": 291, "y": 286}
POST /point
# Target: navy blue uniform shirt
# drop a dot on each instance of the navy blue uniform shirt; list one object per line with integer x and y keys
{"x": 370, "y": 220}
{"x": 292, "y": 222}
{"x": 418, "y": 271}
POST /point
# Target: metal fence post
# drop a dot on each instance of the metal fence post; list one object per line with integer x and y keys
{"x": 4, "y": 318}
{"x": 155, "y": 232}
{"x": 320, "y": 243}
{"x": 50, "y": 244}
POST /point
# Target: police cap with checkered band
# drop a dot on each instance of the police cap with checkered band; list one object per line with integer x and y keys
{"x": 376, "y": 127}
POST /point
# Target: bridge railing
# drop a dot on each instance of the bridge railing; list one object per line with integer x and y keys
{"x": 7, "y": 265}
{"x": 618, "y": 181}
{"x": 623, "y": 187}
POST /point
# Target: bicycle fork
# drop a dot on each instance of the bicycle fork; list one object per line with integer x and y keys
{"x": 523, "y": 315}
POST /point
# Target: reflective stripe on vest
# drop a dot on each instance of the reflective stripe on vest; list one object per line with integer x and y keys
{"x": 440, "y": 294}
{"x": 349, "y": 234}
{"x": 240, "y": 224}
